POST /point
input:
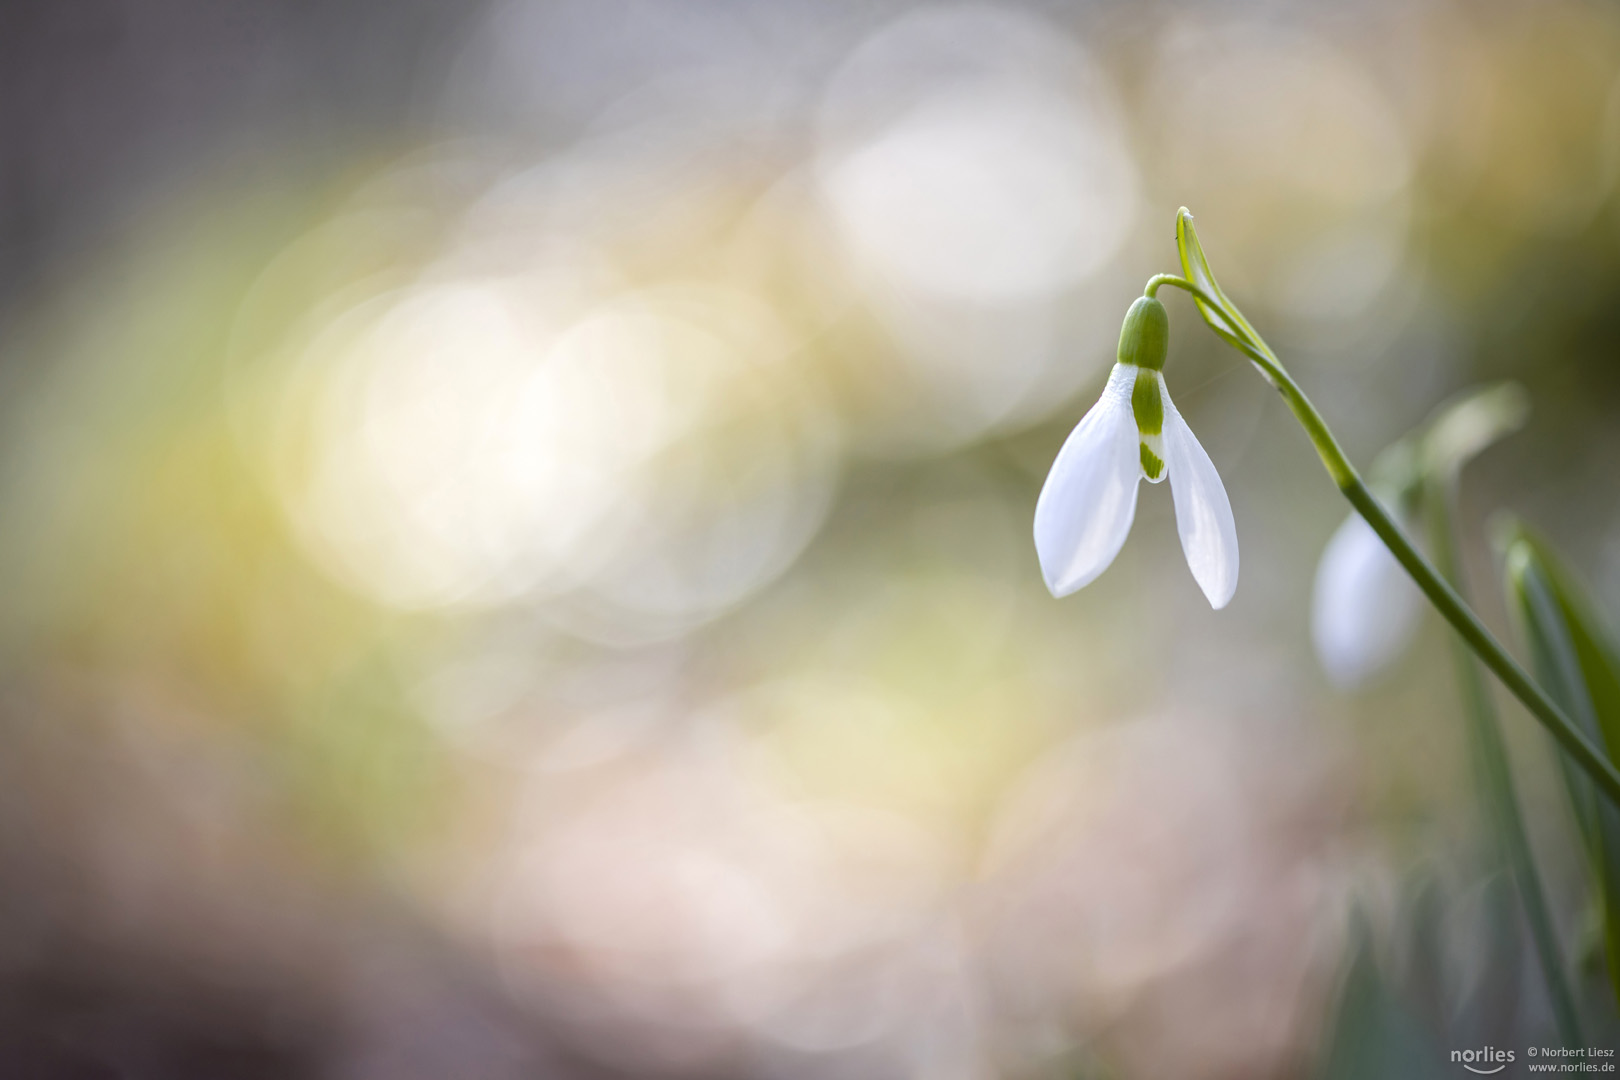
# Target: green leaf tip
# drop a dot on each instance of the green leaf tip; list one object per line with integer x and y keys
{"x": 1575, "y": 658}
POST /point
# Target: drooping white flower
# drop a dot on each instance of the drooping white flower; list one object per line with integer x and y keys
{"x": 1134, "y": 432}
{"x": 1364, "y": 607}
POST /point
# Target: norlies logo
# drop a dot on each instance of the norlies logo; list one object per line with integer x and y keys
{"x": 1484, "y": 1061}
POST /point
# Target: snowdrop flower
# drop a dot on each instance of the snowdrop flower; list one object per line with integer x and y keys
{"x": 1133, "y": 433}
{"x": 1364, "y": 607}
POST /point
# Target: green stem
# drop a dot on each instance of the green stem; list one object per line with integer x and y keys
{"x": 1444, "y": 598}
{"x": 1496, "y": 777}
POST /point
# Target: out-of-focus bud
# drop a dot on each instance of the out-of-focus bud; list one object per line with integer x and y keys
{"x": 1363, "y": 608}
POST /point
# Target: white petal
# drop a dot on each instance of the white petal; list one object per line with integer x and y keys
{"x": 1364, "y": 607}
{"x": 1089, "y": 500}
{"x": 1203, "y": 515}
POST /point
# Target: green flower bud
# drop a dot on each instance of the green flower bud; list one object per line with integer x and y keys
{"x": 1145, "y": 338}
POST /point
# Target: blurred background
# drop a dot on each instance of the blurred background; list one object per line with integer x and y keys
{"x": 515, "y": 522}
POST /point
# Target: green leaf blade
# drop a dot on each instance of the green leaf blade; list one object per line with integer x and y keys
{"x": 1575, "y": 660}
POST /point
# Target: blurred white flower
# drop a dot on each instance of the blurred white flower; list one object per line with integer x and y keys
{"x": 1364, "y": 608}
{"x": 1133, "y": 432}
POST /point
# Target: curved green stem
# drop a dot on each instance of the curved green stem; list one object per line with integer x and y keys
{"x": 1496, "y": 778}
{"x": 1484, "y": 644}
{"x": 1444, "y": 598}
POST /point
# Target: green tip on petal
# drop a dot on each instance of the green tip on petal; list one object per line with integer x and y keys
{"x": 1144, "y": 340}
{"x": 1147, "y": 403}
{"x": 1152, "y": 464}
